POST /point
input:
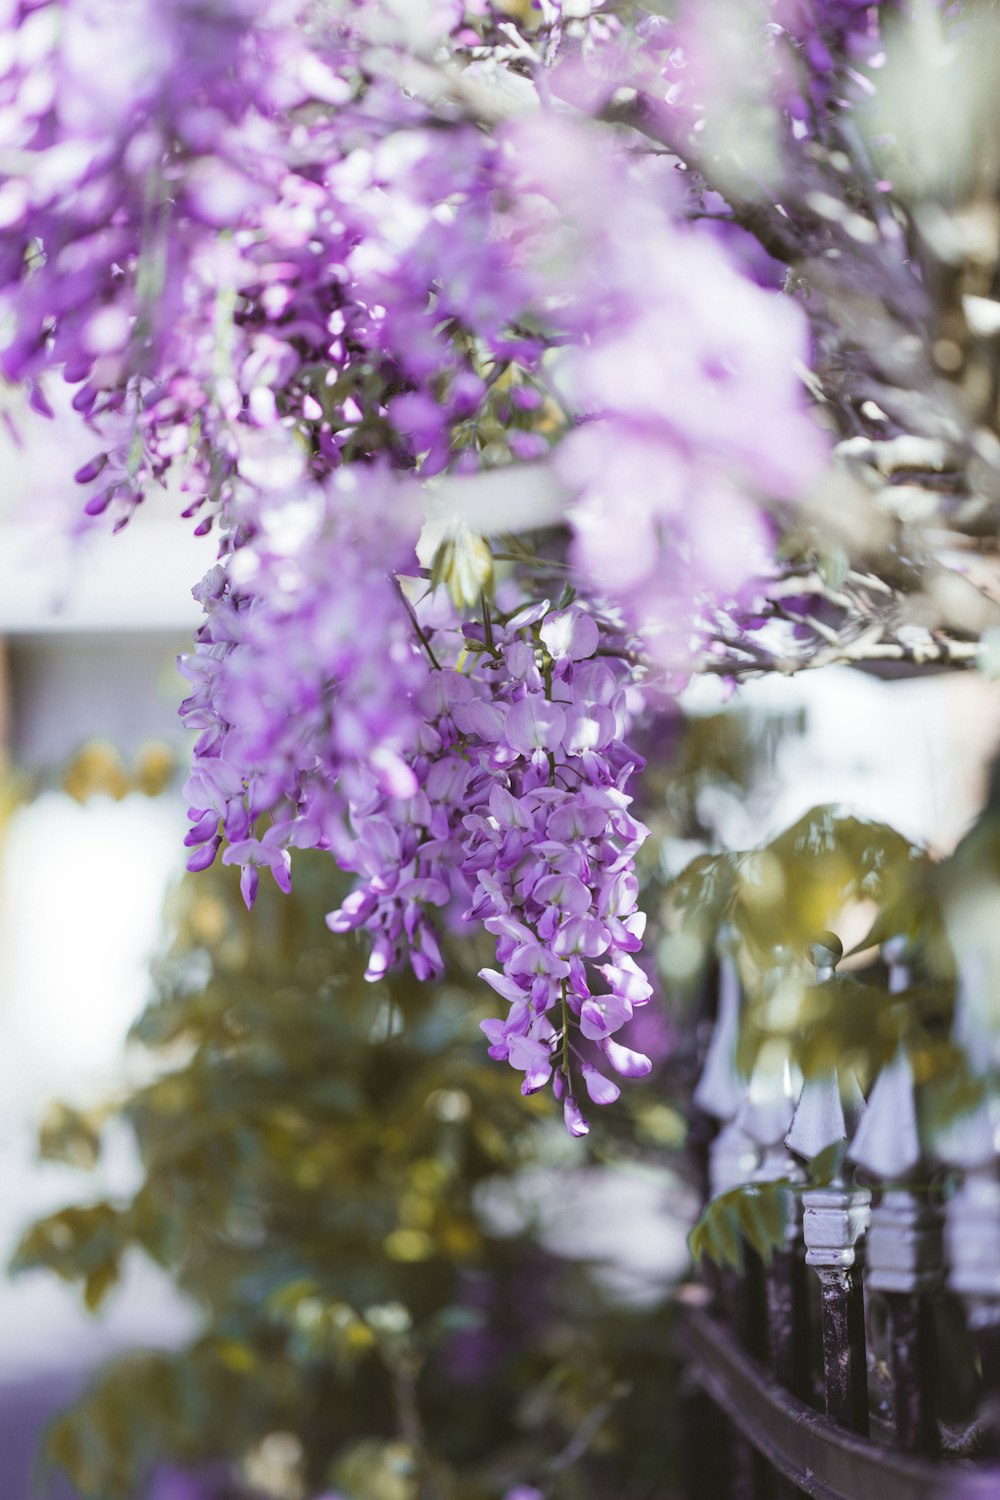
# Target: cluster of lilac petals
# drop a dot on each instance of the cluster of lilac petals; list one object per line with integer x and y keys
{"x": 127, "y": 164}
{"x": 836, "y": 41}
{"x": 685, "y": 376}
{"x": 420, "y": 211}
{"x": 522, "y": 823}
{"x": 261, "y": 260}
{"x": 806, "y": 57}
{"x": 405, "y": 849}
{"x": 237, "y": 240}
{"x": 296, "y": 708}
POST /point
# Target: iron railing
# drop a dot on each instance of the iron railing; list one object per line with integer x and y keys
{"x": 815, "y": 1370}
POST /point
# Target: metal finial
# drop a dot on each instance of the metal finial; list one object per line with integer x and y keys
{"x": 896, "y": 948}
{"x": 897, "y": 953}
{"x": 887, "y": 1141}
{"x": 970, "y": 1140}
{"x": 820, "y": 1120}
{"x": 727, "y": 940}
{"x": 721, "y": 1086}
{"x": 767, "y": 1109}
{"x": 972, "y": 1027}
{"x": 825, "y": 952}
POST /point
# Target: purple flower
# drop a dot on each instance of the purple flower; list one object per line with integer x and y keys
{"x": 312, "y": 712}
{"x": 269, "y": 270}
{"x": 512, "y": 828}
{"x": 569, "y": 635}
{"x": 687, "y": 375}
{"x": 624, "y": 1061}
{"x": 534, "y": 723}
{"x": 600, "y": 1089}
{"x": 575, "y": 1123}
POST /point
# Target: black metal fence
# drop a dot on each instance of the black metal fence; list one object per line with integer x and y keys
{"x": 819, "y": 1369}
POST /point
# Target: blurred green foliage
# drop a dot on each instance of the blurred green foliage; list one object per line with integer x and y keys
{"x": 311, "y": 1150}
{"x": 756, "y": 1213}
{"x": 831, "y": 872}
{"x": 316, "y": 1152}
{"x": 828, "y": 872}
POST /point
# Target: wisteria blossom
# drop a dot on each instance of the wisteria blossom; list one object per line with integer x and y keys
{"x": 231, "y": 253}
{"x": 521, "y": 822}
{"x": 684, "y": 377}
{"x": 294, "y": 704}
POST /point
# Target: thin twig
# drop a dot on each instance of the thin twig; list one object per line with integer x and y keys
{"x": 940, "y": 652}
{"x": 421, "y": 635}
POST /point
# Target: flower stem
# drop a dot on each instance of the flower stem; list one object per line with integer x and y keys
{"x": 421, "y": 635}
{"x": 491, "y": 644}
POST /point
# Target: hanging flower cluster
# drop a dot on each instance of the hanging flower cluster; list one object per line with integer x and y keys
{"x": 684, "y": 377}
{"x": 294, "y": 704}
{"x": 521, "y": 822}
{"x": 247, "y": 252}
{"x": 137, "y": 177}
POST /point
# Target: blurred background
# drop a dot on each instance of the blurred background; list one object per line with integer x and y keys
{"x": 90, "y": 845}
{"x": 299, "y": 1236}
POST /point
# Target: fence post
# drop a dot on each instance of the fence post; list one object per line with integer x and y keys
{"x": 972, "y": 1215}
{"x": 729, "y": 1463}
{"x": 721, "y": 1089}
{"x": 733, "y": 1156}
{"x": 765, "y": 1116}
{"x": 904, "y": 1251}
{"x": 834, "y": 1220}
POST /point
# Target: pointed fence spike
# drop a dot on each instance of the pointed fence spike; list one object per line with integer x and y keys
{"x": 827, "y": 1109}
{"x": 972, "y": 1225}
{"x": 766, "y": 1116}
{"x": 721, "y": 1087}
{"x": 853, "y": 1101}
{"x": 974, "y": 1027}
{"x": 732, "y": 1156}
{"x": 970, "y": 1140}
{"x": 887, "y": 1141}
{"x": 904, "y": 1249}
{"x": 767, "y": 1109}
{"x": 896, "y": 954}
{"x": 819, "y": 1121}
{"x": 834, "y": 1220}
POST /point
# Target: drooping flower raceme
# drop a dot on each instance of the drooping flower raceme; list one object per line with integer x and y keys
{"x": 684, "y": 378}
{"x": 522, "y": 821}
{"x": 133, "y": 177}
{"x": 302, "y": 691}
{"x": 242, "y": 248}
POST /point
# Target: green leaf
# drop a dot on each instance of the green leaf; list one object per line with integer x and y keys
{"x": 79, "y": 1244}
{"x": 827, "y": 1166}
{"x": 70, "y": 1135}
{"x": 705, "y": 887}
{"x": 98, "y": 1283}
{"x": 756, "y": 1213}
{"x": 763, "y": 1215}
